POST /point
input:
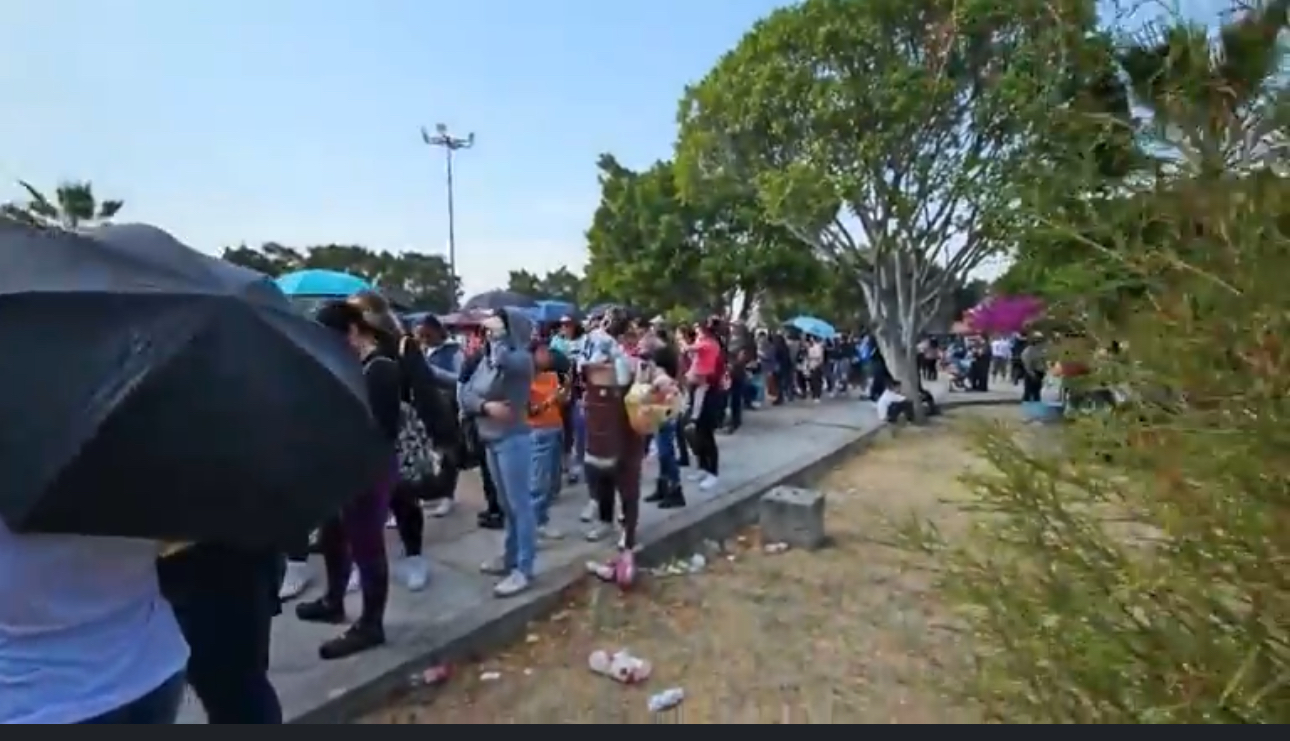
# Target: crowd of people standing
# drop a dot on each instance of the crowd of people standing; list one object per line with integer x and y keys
{"x": 531, "y": 408}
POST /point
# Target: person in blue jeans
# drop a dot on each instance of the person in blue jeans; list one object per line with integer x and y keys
{"x": 546, "y": 400}
{"x": 496, "y": 397}
{"x": 667, "y": 494}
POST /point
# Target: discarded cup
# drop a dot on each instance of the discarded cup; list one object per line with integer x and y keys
{"x": 666, "y": 700}
{"x": 619, "y": 666}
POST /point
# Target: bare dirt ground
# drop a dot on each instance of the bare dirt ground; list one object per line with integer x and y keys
{"x": 849, "y": 634}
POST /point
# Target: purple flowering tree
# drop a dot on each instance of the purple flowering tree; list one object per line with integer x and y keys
{"x": 1004, "y": 314}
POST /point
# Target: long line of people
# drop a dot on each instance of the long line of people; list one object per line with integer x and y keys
{"x": 121, "y": 626}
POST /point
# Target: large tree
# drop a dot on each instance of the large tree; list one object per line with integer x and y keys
{"x": 423, "y": 280}
{"x": 73, "y": 205}
{"x": 641, "y": 245}
{"x": 560, "y": 284}
{"x": 883, "y": 135}
{"x": 649, "y": 244}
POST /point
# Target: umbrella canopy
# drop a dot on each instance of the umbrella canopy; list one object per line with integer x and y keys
{"x": 547, "y": 312}
{"x": 462, "y": 319}
{"x": 321, "y": 283}
{"x": 495, "y": 300}
{"x": 169, "y": 395}
{"x": 813, "y": 326}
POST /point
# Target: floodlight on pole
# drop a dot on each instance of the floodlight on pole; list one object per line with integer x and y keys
{"x": 449, "y": 144}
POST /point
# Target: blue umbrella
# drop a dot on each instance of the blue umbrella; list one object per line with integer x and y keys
{"x": 494, "y": 300}
{"x": 813, "y": 326}
{"x": 321, "y": 283}
{"x": 547, "y": 312}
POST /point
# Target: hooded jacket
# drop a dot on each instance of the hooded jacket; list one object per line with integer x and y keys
{"x": 504, "y": 373}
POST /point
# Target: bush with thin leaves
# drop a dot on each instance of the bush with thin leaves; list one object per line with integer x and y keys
{"x": 1137, "y": 572}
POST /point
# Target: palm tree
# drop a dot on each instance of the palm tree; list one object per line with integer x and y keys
{"x": 73, "y": 206}
{"x": 1219, "y": 102}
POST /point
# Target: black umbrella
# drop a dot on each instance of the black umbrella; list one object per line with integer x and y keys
{"x": 152, "y": 391}
{"x": 494, "y": 300}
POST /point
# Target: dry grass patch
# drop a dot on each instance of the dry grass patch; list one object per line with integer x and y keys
{"x": 850, "y": 634}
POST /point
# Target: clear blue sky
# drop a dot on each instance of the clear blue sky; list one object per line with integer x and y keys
{"x": 297, "y": 121}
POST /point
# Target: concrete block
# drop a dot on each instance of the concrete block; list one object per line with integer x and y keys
{"x": 789, "y": 514}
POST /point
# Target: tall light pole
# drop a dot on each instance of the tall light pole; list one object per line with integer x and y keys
{"x": 450, "y": 144}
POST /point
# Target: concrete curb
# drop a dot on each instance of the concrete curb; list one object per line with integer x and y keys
{"x": 501, "y": 622}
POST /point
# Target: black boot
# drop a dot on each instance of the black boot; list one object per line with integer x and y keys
{"x": 660, "y": 492}
{"x": 321, "y": 610}
{"x": 673, "y": 496}
{"x": 360, "y": 637}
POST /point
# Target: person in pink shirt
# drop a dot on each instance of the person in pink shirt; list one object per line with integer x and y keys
{"x": 705, "y": 377}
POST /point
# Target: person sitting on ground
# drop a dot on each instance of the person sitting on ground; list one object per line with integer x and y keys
{"x": 897, "y": 403}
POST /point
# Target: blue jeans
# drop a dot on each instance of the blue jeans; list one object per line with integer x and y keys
{"x": 158, "y": 707}
{"x": 665, "y": 440}
{"x": 544, "y": 483}
{"x": 510, "y": 461}
{"x": 579, "y": 439}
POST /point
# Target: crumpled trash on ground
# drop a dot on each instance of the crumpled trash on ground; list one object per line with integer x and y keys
{"x": 432, "y": 676}
{"x": 774, "y": 548}
{"x": 666, "y": 700}
{"x": 620, "y": 666}
{"x": 695, "y": 564}
{"x": 620, "y": 570}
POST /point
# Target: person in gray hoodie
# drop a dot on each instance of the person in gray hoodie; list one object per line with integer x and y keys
{"x": 496, "y": 396}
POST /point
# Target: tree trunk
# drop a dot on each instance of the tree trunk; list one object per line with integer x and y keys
{"x": 900, "y": 351}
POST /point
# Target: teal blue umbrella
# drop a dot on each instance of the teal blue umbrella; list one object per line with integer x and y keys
{"x": 328, "y": 283}
{"x": 813, "y": 326}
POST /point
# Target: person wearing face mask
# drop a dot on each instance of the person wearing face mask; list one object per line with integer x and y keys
{"x": 496, "y": 396}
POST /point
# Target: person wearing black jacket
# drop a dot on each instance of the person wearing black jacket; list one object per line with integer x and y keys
{"x": 491, "y": 518}
{"x": 355, "y": 536}
{"x": 418, "y": 389}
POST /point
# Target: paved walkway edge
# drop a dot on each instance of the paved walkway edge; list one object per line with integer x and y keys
{"x": 499, "y": 623}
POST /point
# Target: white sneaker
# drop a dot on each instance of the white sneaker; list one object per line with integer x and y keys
{"x": 548, "y": 532}
{"x": 589, "y": 512}
{"x": 441, "y": 508}
{"x": 416, "y": 572}
{"x": 294, "y": 581}
{"x": 599, "y": 532}
{"x": 513, "y": 584}
{"x": 708, "y": 483}
{"x": 496, "y": 567}
{"x": 352, "y": 585}
{"x": 696, "y": 476}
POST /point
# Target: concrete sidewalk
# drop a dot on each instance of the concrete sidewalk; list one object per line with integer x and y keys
{"x": 457, "y": 615}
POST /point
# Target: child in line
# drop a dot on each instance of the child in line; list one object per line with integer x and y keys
{"x": 546, "y": 424}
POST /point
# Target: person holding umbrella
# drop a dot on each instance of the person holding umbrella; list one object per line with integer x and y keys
{"x": 359, "y": 530}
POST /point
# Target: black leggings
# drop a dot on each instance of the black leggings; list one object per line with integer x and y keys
{"x": 490, "y": 491}
{"x": 405, "y": 505}
{"x": 702, "y": 432}
{"x": 299, "y": 550}
{"x": 1032, "y": 385}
